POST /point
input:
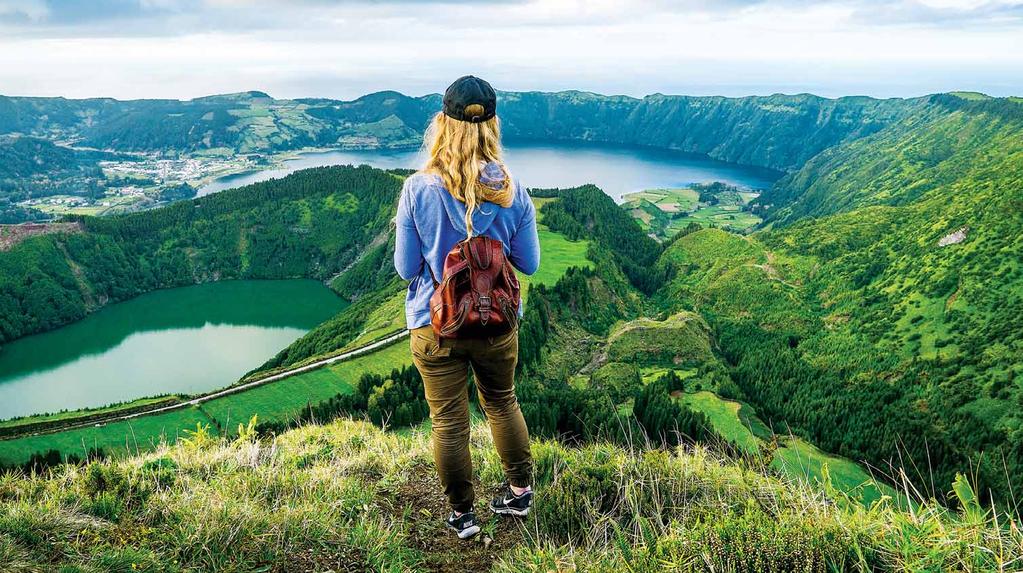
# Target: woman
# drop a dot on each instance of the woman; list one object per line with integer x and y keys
{"x": 465, "y": 190}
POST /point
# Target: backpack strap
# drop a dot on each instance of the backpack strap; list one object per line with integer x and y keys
{"x": 432, "y": 276}
{"x": 479, "y": 248}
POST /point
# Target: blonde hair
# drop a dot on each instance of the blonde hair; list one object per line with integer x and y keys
{"x": 457, "y": 151}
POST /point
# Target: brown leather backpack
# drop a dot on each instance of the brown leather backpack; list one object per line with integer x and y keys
{"x": 478, "y": 295}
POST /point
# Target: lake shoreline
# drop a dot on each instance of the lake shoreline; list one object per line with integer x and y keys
{"x": 108, "y": 303}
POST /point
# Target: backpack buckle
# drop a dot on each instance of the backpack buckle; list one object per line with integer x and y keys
{"x": 484, "y": 309}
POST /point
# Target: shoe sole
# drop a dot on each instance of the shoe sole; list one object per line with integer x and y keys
{"x": 467, "y": 532}
{"x": 511, "y": 511}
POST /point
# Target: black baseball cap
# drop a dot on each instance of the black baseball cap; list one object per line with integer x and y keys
{"x": 470, "y": 99}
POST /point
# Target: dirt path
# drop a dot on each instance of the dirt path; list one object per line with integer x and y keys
{"x": 771, "y": 272}
{"x": 419, "y": 503}
{"x": 11, "y": 235}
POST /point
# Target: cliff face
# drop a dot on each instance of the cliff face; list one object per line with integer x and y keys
{"x": 952, "y": 148}
{"x": 779, "y": 132}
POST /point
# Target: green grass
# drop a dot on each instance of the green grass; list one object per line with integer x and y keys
{"x": 651, "y": 373}
{"x": 972, "y": 96}
{"x": 279, "y": 400}
{"x": 724, "y": 417}
{"x": 347, "y": 496}
{"x": 557, "y": 254}
{"x": 282, "y": 400}
{"x": 71, "y": 415}
{"x": 800, "y": 460}
{"x": 681, "y": 339}
{"x": 723, "y": 217}
{"x": 796, "y": 459}
{"x": 117, "y": 438}
{"x": 385, "y": 319}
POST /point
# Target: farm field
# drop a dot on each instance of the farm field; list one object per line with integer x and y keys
{"x": 279, "y": 401}
{"x": 724, "y": 416}
{"x": 128, "y": 436}
{"x": 664, "y": 212}
{"x": 558, "y": 254}
{"x": 73, "y": 414}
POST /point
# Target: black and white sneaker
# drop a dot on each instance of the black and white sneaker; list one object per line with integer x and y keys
{"x": 507, "y": 503}
{"x": 465, "y": 525}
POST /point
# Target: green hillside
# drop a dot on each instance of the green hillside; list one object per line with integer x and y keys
{"x": 720, "y": 401}
{"x": 952, "y": 147}
{"x": 887, "y": 331}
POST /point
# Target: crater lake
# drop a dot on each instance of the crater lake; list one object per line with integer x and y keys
{"x": 182, "y": 340}
{"x": 615, "y": 169}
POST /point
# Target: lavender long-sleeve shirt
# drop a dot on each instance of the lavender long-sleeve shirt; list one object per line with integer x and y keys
{"x": 430, "y": 221}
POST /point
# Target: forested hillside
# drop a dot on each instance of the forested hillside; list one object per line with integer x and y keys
{"x": 955, "y": 144}
{"x": 890, "y": 331}
{"x": 314, "y": 223}
{"x": 779, "y": 131}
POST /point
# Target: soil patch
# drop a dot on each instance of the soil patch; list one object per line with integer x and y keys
{"x": 421, "y": 505}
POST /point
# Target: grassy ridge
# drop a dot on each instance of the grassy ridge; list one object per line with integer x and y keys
{"x": 349, "y": 497}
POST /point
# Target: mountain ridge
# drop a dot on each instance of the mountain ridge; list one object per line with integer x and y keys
{"x": 532, "y": 114}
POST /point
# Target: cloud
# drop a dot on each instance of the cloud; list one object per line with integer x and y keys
{"x": 22, "y": 11}
{"x": 133, "y": 18}
{"x": 941, "y": 13}
{"x": 303, "y": 48}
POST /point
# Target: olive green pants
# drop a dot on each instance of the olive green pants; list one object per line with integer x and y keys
{"x": 445, "y": 369}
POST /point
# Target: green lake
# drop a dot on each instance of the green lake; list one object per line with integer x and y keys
{"x": 183, "y": 340}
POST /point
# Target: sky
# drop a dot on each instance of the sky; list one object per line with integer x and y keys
{"x": 346, "y": 48}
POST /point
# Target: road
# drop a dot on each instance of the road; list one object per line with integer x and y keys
{"x": 386, "y": 341}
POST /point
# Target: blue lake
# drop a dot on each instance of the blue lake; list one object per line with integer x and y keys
{"x": 615, "y": 169}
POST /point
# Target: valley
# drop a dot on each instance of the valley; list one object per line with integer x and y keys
{"x": 856, "y": 319}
